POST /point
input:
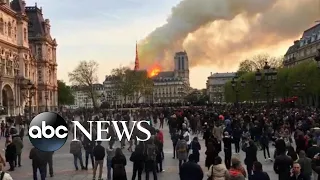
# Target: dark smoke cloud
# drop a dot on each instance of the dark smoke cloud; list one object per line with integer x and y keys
{"x": 221, "y": 32}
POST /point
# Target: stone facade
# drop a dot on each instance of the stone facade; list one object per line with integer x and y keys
{"x": 82, "y": 100}
{"x": 215, "y": 85}
{"x": 27, "y": 52}
{"x": 304, "y": 49}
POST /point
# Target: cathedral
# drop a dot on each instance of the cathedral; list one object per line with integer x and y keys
{"x": 28, "y": 66}
{"x": 173, "y": 86}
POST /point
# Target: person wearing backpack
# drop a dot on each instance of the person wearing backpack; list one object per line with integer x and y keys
{"x": 151, "y": 153}
{"x": 75, "y": 149}
{"x": 4, "y": 175}
{"x": 182, "y": 151}
{"x": 118, "y": 165}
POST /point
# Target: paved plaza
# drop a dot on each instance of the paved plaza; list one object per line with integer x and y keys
{"x": 64, "y": 168}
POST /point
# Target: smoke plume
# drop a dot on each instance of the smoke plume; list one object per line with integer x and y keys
{"x": 221, "y": 32}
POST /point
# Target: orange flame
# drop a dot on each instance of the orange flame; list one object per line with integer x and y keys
{"x": 154, "y": 70}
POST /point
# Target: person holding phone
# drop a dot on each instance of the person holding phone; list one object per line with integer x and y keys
{"x": 296, "y": 173}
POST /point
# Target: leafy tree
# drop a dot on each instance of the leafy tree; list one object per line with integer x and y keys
{"x": 85, "y": 76}
{"x": 258, "y": 62}
{"x": 125, "y": 81}
{"x": 306, "y": 73}
{"x": 143, "y": 84}
{"x": 65, "y": 96}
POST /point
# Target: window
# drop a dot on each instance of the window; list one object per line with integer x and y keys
{"x": 1, "y": 26}
{"x": 25, "y": 34}
{"x": 9, "y": 29}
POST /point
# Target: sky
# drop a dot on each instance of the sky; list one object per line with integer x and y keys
{"x": 106, "y": 31}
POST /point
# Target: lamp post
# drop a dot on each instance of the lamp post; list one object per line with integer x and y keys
{"x": 317, "y": 58}
{"x": 270, "y": 76}
{"x": 31, "y": 90}
{"x": 236, "y": 88}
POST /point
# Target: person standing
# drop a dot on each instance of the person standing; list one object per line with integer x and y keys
{"x": 110, "y": 155}
{"x": 296, "y": 173}
{"x": 11, "y": 154}
{"x": 196, "y": 147}
{"x": 282, "y": 164}
{"x": 191, "y": 170}
{"x": 49, "y": 157}
{"x": 227, "y": 141}
{"x": 38, "y": 162}
{"x": 138, "y": 158}
{"x": 265, "y": 145}
{"x": 305, "y": 164}
{"x": 118, "y": 165}
{"x": 75, "y": 150}
{"x": 88, "y": 146}
{"x": 258, "y": 173}
{"x": 251, "y": 155}
{"x": 4, "y": 175}
{"x": 151, "y": 153}
{"x": 182, "y": 150}
{"x": 174, "y": 138}
{"x": 19, "y": 146}
{"x": 99, "y": 154}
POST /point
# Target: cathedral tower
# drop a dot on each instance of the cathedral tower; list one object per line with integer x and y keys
{"x": 181, "y": 65}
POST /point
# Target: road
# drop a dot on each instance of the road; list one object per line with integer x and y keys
{"x": 64, "y": 169}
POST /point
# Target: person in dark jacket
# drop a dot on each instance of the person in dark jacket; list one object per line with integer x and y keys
{"x": 296, "y": 173}
{"x": 258, "y": 173}
{"x": 11, "y": 154}
{"x": 174, "y": 138}
{"x": 251, "y": 155}
{"x": 49, "y": 160}
{"x": 237, "y": 132}
{"x": 88, "y": 147}
{"x": 282, "y": 165}
{"x": 99, "y": 154}
{"x": 38, "y": 162}
{"x": 191, "y": 170}
{"x": 265, "y": 145}
{"x": 313, "y": 150}
{"x": 159, "y": 155}
{"x": 138, "y": 158}
{"x": 118, "y": 164}
{"x": 227, "y": 141}
{"x": 196, "y": 147}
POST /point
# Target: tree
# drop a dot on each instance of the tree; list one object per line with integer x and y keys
{"x": 65, "y": 96}
{"x": 143, "y": 84}
{"x": 85, "y": 76}
{"x": 258, "y": 62}
{"x": 125, "y": 81}
{"x": 283, "y": 87}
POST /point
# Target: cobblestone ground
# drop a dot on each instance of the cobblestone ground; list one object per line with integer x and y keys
{"x": 64, "y": 169}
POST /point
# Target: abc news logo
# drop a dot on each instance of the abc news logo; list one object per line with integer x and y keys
{"x": 49, "y": 131}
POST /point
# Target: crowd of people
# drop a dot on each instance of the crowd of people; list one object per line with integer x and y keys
{"x": 293, "y": 131}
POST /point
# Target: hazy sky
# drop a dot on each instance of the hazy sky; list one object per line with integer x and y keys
{"x": 106, "y": 31}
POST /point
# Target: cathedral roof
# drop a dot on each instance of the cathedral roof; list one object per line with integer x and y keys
{"x": 36, "y": 21}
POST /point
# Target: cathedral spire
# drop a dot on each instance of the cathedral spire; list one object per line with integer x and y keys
{"x": 136, "y": 62}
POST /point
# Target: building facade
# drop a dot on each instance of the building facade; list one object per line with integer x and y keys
{"x": 28, "y": 56}
{"x": 83, "y": 100}
{"x": 304, "y": 49}
{"x": 215, "y": 85}
{"x": 169, "y": 86}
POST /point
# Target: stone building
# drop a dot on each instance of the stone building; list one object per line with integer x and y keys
{"x": 304, "y": 49}
{"x": 169, "y": 86}
{"x": 28, "y": 56}
{"x": 82, "y": 100}
{"x": 215, "y": 85}
{"x": 172, "y": 86}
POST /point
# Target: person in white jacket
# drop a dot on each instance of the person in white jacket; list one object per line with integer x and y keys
{"x": 218, "y": 171}
{"x": 5, "y": 175}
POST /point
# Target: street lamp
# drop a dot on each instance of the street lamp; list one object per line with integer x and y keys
{"x": 317, "y": 58}
{"x": 236, "y": 88}
{"x": 270, "y": 75}
{"x": 31, "y": 90}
